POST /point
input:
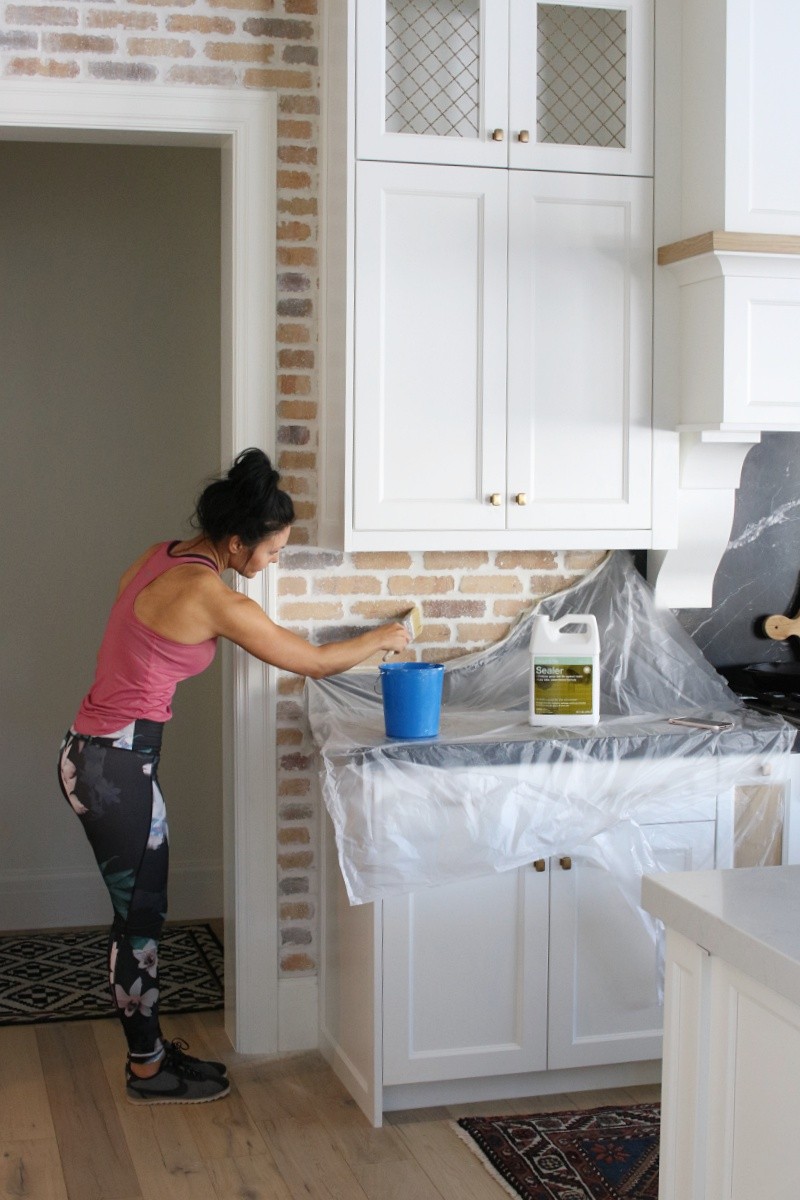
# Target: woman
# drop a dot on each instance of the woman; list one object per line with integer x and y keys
{"x": 171, "y": 608}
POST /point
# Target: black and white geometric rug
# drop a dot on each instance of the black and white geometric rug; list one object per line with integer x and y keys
{"x": 43, "y": 976}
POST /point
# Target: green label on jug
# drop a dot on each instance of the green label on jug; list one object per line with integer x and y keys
{"x": 562, "y": 686}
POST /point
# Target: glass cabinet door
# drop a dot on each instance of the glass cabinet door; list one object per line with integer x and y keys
{"x": 581, "y": 86}
{"x": 432, "y": 81}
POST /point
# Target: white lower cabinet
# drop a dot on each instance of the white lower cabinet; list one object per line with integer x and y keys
{"x": 465, "y": 979}
{"x": 605, "y": 1004}
{"x": 527, "y": 970}
{"x": 540, "y": 979}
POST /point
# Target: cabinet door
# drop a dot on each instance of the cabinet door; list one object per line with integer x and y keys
{"x": 465, "y": 979}
{"x": 432, "y": 81}
{"x": 430, "y": 354}
{"x": 581, "y": 86}
{"x": 604, "y": 1003}
{"x": 579, "y": 354}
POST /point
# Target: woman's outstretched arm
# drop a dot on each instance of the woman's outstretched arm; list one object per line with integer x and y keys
{"x": 244, "y": 622}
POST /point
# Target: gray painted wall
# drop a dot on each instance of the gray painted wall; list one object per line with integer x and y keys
{"x": 109, "y": 392}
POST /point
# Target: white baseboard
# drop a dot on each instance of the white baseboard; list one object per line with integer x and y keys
{"x": 298, "y": 1014}
{"x": 56, "y": 899}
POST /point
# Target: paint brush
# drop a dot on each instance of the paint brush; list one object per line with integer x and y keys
{"x": 412, "y": 620}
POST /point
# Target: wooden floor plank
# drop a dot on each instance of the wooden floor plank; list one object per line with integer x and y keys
{"x": 31, "y": 1171}
{"x": 165, "y": 1153}
{"x": 94, "y": 1153}
{"x": 253, "y": 1178}
{"x": 599, "y": 1098}
{"x": 272, "y": 1094}
{"x": 24, "y": 1104}
{"x": 450, "y": 1165}
{"x": 359, "y": 1142}
{"x": 521, "y": 1106}
{"x": 225, "y": 1129}
{"x": 397, "y": 1181}
{"x": 645, "y": 1093}
{"x": 289, "y": 1131}
{"x": 310, "y": 1161}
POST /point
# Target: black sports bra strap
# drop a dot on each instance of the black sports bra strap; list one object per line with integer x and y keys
{"x": 198, "y": 558}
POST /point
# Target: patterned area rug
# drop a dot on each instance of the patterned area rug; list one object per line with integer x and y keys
{"x": 43, "y": 976}
{"x": 603, "y": 1154}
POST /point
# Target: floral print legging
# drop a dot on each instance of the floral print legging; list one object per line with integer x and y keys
{"x": 111, "y": 784}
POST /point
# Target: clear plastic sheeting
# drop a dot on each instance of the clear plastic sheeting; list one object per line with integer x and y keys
{"x": 492, "y": 793}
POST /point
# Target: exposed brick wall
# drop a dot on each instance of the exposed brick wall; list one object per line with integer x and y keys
{"x": 468, "y": 599}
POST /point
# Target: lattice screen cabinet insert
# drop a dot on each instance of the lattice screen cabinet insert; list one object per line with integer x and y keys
{"x": 509, "y": 83}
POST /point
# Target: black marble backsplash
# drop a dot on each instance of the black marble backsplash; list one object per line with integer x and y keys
{"x": 760, "y": 571}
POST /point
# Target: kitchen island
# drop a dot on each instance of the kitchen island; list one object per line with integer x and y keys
{"x": 731, "y": 1078}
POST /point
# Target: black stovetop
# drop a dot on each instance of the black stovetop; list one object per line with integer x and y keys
{"x": 767, "y": 687}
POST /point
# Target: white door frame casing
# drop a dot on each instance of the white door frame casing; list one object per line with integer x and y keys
{"x": 243, "y": 125}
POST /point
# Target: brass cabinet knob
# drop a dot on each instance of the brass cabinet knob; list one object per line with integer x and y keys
{"x": 498, "y": 135}
{"x": 496, "y": 499}
{"x": 539, "y": 864}
{"x": 566, "y": 863}
{"x": 524, "y": 135}
{"x": 521, "y": 497}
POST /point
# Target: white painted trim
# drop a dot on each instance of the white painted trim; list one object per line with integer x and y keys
{"x": 298, "y": 1014}
{"x": 55, "y": 899}
{"x": 243, "y": 124}
{"x": 711, "y": 469}
{"x": 508, "y": 1087}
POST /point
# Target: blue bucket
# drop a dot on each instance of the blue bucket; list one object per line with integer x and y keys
{"x": 412, "y": 698}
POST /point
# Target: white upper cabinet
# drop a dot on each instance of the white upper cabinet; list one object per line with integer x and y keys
{"x": 502, "y": 359}
{"x": 580, "y": 92}
{"x": 430, "y": 359}
{"x": 432, "y": 81}
{"x": 579, "y": 361}
{"x": 564, "y": 87}
{"x": 741, "y": 112}
{"x": 487, "y": 306}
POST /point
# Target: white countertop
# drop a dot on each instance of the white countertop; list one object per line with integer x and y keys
{"x": 748, "y": 916}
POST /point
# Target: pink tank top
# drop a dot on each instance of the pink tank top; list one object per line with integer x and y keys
{"x": 138, "y": 669}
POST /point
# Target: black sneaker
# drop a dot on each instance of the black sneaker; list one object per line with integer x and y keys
{"x": 175, "y": 1055}
{"x": 175, "y": 1084}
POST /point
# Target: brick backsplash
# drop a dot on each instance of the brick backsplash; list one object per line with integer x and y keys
{"x": 468, "y": 599}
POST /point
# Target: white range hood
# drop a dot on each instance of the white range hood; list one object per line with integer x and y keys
{"x": 727, "y": 312}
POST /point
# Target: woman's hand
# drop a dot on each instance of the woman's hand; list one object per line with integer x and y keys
{"x": 394, "y": 637}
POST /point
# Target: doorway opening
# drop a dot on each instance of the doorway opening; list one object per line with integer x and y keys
{"x": 141, "y": 341}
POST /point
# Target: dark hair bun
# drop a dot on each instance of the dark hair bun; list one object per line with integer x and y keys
{"x": 247, "y": 501}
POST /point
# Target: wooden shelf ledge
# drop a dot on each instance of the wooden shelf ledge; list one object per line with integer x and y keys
{"x": 720, "y": 239}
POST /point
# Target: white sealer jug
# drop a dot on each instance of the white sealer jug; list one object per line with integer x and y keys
{"x": 565, "y": 670}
